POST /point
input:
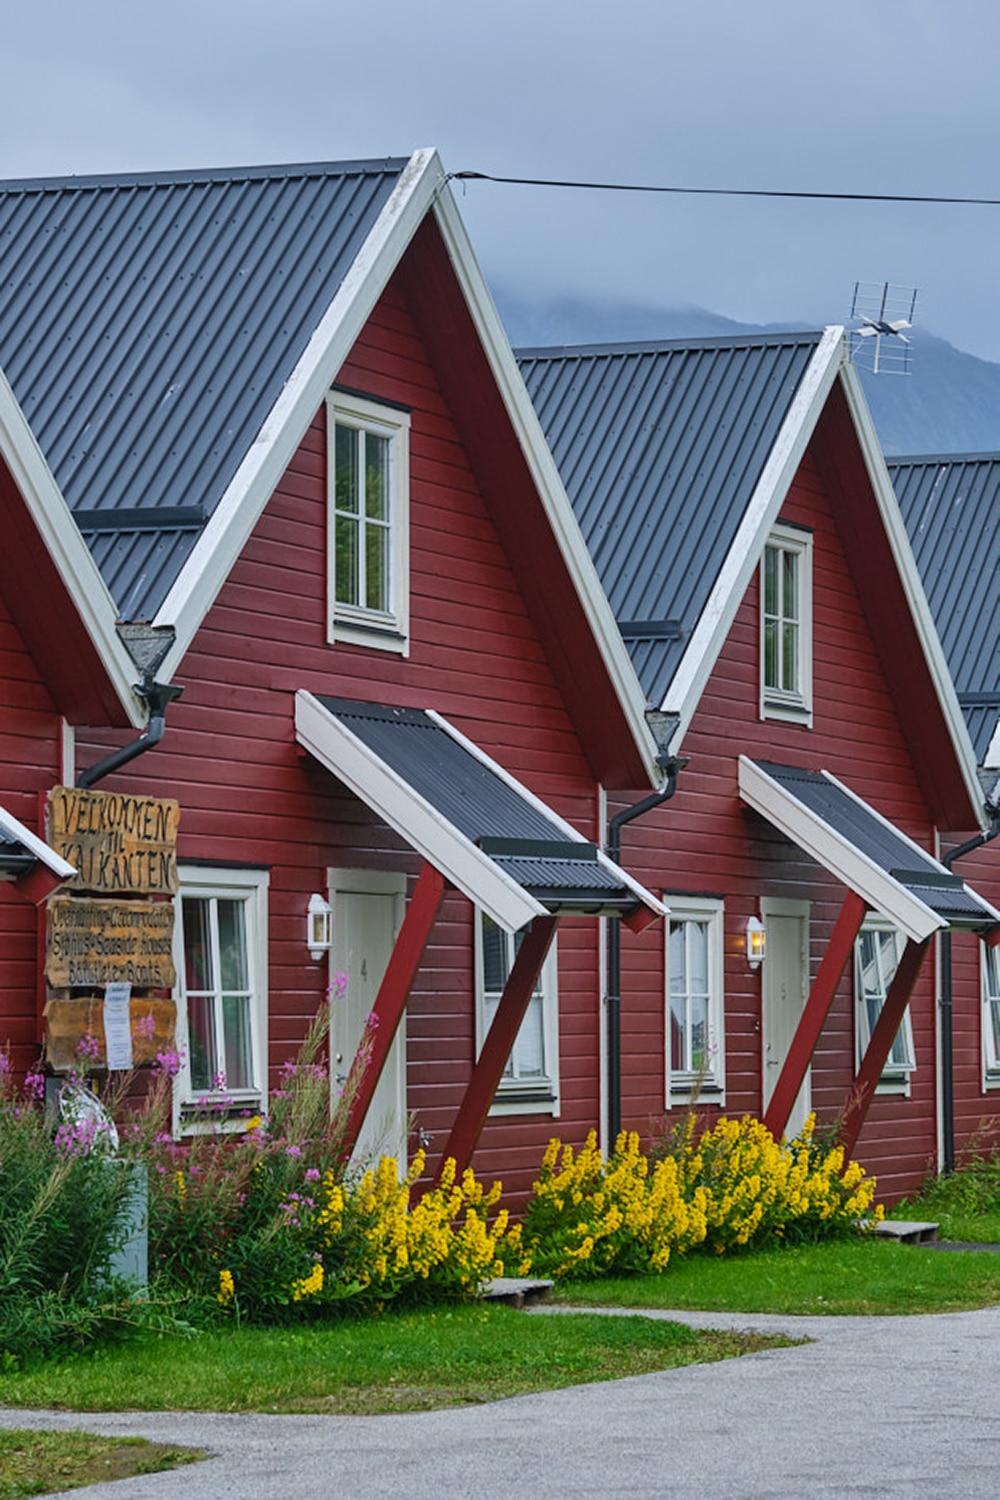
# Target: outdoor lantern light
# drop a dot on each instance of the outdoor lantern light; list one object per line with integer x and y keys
{"x": 319, "y": 927}
{"x": 756, "y": 942}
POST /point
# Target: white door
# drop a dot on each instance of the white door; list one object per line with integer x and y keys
{"x": 367, "y": 912}
{"x": 785, "y": 987}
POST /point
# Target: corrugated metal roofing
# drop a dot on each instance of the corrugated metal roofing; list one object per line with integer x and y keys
{"x": 148, "y": 324}
{"x": 660, "y": 447}
{"x": 472, "y": 797}
{"x": 911, "y": 868}
{"x": 951, "y": 507}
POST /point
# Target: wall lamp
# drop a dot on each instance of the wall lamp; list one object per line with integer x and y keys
{"x": 319, "y": 927}
{"x": 756, "y": 942}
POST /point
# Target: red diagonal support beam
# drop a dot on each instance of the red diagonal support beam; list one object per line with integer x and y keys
{"x": 500, "y": 1038}
{"x": 874, "y": 1060}
{"x": 814, "y": 1013}
{"x": 390, "y": 1002}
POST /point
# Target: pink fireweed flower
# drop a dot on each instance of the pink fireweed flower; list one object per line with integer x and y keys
{"x": 145, "y": 1027}
{"x": 88, "y": 1048}
{"x": 313, "y": 1174}
{"x": 338, "y": 986}
{"x": 34, "y": 1085}
{"x": 293, "y": 1151}
{"x": 168, "y": 1062}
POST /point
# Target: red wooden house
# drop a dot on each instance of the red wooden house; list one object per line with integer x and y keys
{"x": 740, "y": 516}
{"x": 279, "y": 408}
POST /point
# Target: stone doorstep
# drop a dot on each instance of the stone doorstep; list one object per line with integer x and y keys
{"x": 907, "y": 1231}
{"x": 516, "y": 1291}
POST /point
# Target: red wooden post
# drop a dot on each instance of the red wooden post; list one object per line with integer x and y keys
{"x": 390, "y": 1002}
{"x": 880, "y": 1045}
{"x": 814, "y": 1013}
{"x": 500, "y": 1038}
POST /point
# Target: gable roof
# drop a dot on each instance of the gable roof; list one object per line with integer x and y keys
{"x": 951, "y": 506}
{"x": 678, "y": 456}
{"x": 199, "y": 319}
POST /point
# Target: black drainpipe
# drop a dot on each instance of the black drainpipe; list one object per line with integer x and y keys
{"x": 613, "y": 998}
{"x": 157, "y": 695}
{"x": 947, "y": 1023}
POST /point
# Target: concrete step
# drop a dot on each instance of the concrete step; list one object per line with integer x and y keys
{"x": 517, "y": 1291}
{"x": 907, "y": 1231}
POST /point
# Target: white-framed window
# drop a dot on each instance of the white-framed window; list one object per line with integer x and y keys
{"x": 368, "y": 524}
{"x": 220, "y": 952}
{"x": 786, "y": 626}
{"x": 991, "y": 1015}
{"x": 530, "y": 1082}
{"x": 694, "y": 998}
{"x": 877, "y": 952}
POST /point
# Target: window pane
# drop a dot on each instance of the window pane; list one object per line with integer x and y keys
{"x": 678, "y": 967}
{"x": 376, "y": 477}
{"x": 789, "y": 657}
{"x": 377, "y": 567}
{"x": 529, "y": 1049}
{"x": 346, "y": 460}
{"x": 346, "y": 559}
{"x": 678, "y": 1029}
{"x": 236, "y": 1031}
{"x": 495, "y": 962}
{"x": 770, "y": 581}
{"x": 995, "y": 1028}
{"x": 699, "y": 1032}
{"x": 204, "y": 1056}
{"x": 771, "y": 653}
{"x": 697, "y": 933}
{"x": 790, "y": 585}
{"x": 197, "y": 947}
{"x": 233, "y": 945}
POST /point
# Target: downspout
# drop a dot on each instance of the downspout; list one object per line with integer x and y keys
{"x": 672, "y": 765}
{"x": 157, "y": 695}
{"x": 947, "y": 1021}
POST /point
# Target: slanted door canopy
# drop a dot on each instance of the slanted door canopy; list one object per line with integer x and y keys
{"x": 480, "y": 831}
{"x": 28, "y": 861}
{"x": 885, "y": 871}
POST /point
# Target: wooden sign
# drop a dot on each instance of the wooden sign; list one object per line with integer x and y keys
{"x": 93, "y": 943}
{"x": 121, "y": 846}
{"x": 67, "y": 1022}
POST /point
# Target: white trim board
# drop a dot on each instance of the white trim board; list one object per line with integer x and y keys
{"x": 69, "y": 553}
{"x": 877, "y": 888}
{"x": 15, "y": 829}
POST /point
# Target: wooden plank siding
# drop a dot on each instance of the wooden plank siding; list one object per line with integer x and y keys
{"x": 30, "y": 754}
{"x": 248, "y": 794}
{"x": 977, "y": 1102}
{"x": 704, "y": 841}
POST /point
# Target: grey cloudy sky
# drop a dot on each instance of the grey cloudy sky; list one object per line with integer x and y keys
{"x": 834, "y": 95}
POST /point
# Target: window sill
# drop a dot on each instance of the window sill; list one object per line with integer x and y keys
{"x": 894, "y": 1084}
{"x": 378, "y": 635}
{"x": 521, "y": 1100}
{"x": 788, "y": 710}
{"x": 684, "y": 1091}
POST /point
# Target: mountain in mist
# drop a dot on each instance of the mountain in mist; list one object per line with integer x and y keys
{"x": 948, "y": 403}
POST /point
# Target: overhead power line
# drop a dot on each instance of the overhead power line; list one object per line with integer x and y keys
{"x": 712, "y": 192}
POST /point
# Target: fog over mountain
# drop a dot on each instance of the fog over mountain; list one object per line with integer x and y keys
{"x": 948, "y": 403}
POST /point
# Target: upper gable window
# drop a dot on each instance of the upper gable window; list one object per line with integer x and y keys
{"x": 368, "y": 467}
{"x": 786, "y": 626}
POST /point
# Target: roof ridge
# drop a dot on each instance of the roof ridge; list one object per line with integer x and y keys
{"x": 916, "y": 460}
{"x": 656, "y": 346}
{"x": 206, "y": 175}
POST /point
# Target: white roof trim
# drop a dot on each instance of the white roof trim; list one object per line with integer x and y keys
{"x": 899, "y": 542}
{"x": 412, "y": 816}
{"x": 240, "y": 508}
{"x": 542, "y": 467}
{"x": 14, "y": 829}
{"x": 992, "y": 761}
{"x": 572, "y": 834}
{"x": 877, "y": 888}
{"x": 716, "y": 618}
{"x": 57, "y": 529}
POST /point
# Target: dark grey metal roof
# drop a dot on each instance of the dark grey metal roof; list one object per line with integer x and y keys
{"x": 660, "y": 447}
{"x": 951, "y": 507}
{"x": 148, "y": 324}
{"x": 531, "y": 847}
{"x": 910, "y": 867}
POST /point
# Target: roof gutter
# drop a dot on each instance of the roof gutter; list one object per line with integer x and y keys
{"x": 672, "y": 766}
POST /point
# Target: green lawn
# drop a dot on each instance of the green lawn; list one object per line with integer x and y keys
{"x": 396, "y": 1362}
{"x": 844, "y": 1276}
{"x": 36, "y": 1463}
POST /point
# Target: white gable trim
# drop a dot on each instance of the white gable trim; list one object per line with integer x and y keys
{"x": 57, "y": 529}
{"x": 902, "y": 552}
{"x": 459, "y": 860}
{"x": 15, "y": 829}
{"x": 851, "y": 865}
{"x": 992, "y": 760}
{"x": 783, "y": 461}
{"x": 546, "y": 478}
{"x": 240, "y": 508}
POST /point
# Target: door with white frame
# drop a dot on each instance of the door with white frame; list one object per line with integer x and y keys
{"x": 785, "y": 988}
{"x": 368, "y": 907}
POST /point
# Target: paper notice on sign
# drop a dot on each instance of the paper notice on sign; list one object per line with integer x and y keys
{"x": 117, "y": 1030}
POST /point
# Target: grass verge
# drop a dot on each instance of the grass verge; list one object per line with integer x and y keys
{"x": 397, "y": 1362}
{"x": 845, "y": 1276}
{"x": 37, "y": 1463}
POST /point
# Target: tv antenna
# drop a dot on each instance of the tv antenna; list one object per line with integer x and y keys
{"x": 882, "y": 311}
